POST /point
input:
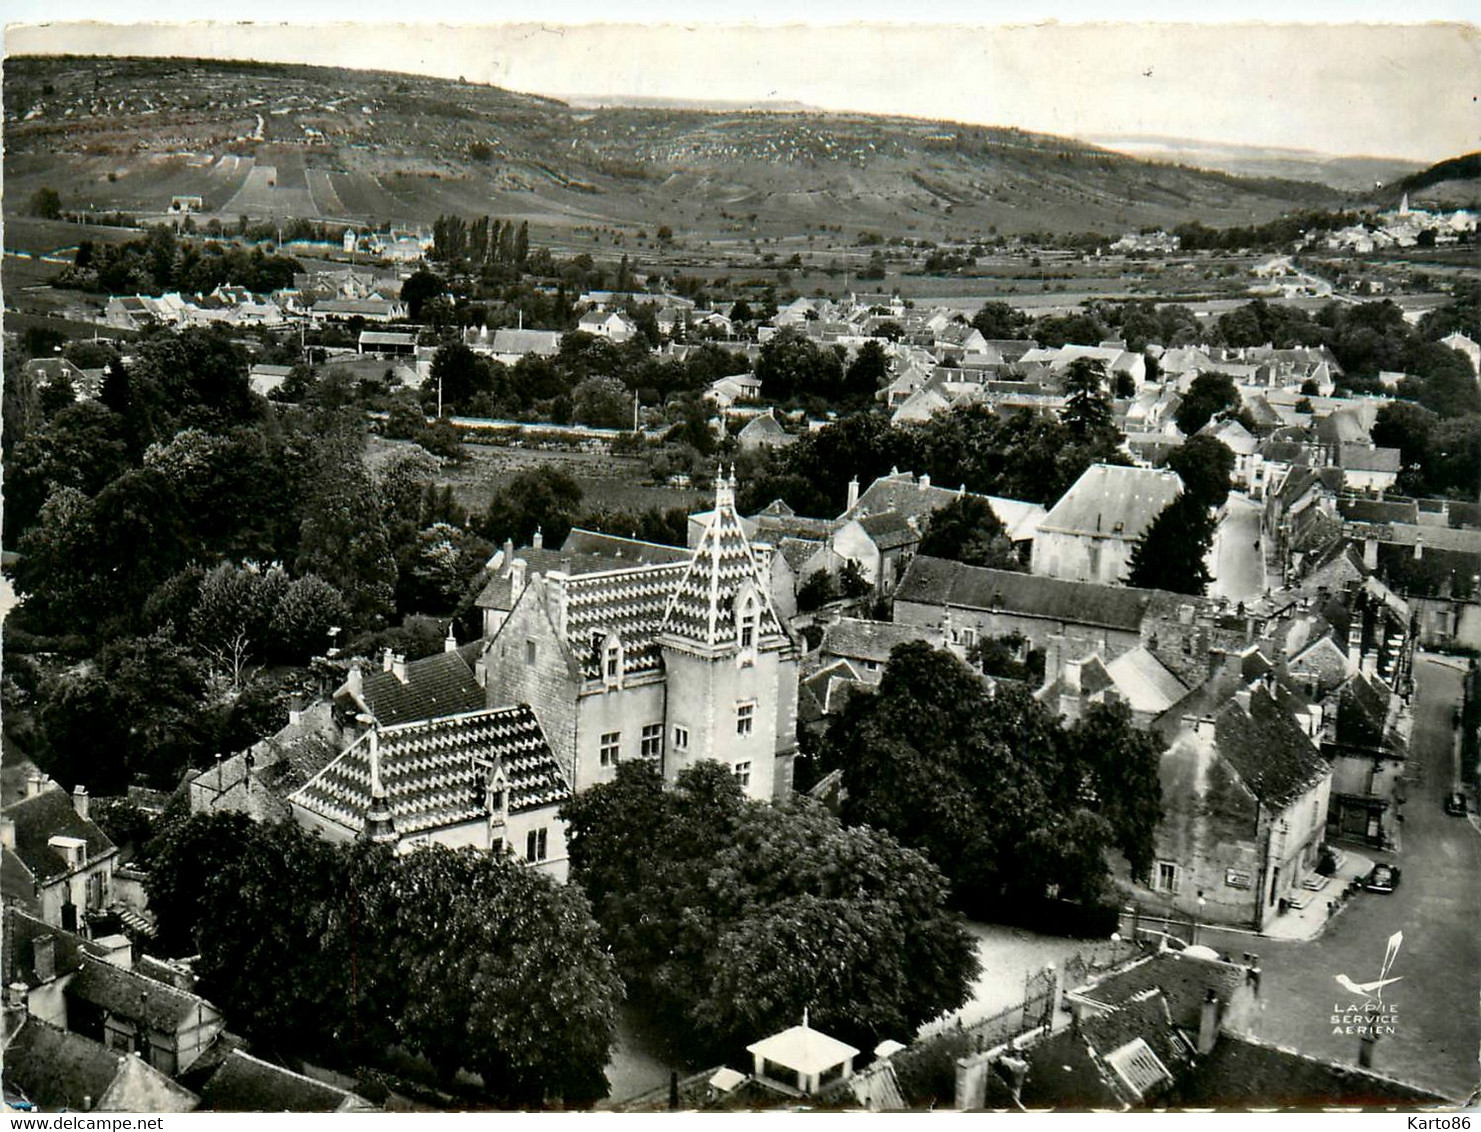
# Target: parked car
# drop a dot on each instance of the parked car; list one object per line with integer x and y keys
{"x": 1383, "y": 878}
{"x": 1455, "y": 804}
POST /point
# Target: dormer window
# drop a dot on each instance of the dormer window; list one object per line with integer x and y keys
{"x": 611, "y": 660}
{"x": 747, "y": 618}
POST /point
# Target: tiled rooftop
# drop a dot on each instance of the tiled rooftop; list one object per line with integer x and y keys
{"x": 430, "y": 771}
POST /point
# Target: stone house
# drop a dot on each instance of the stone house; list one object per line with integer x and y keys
{"x": 60, "y": 1071}
{"x": 130, "y": 1012}
{"x": 485, "y": 779}
{"x": 671, "y": 662}
{"x": 1245, "y": 795}
{"x": 1364, "y": 739}
{"x": 54, "y": 860}
{"x": 1088, "y": 536}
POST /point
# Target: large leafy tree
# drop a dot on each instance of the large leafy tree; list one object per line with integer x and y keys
{"x": 988, "y": 786}
{"x": 729, "y": 917}
{"x": 1208, "y": 395}
{"x": 1087, "y": 407}
{"x": 1205, "y": 465}
{"x": 331, "y": 951}
{"x": 1171, "y": 554}
{"x": 537, "y": 499}
{"x": 968, "y": 530}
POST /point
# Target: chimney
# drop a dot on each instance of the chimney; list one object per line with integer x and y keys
{"x": 555, "y": 600}
{"x": 44, "y": 958}
{"x": 1366, "y": 1046}
{"x": 7, "y": 833}
{"x": 1418, "y": 547}
{"x": 538, "y": 542}
{"x": 35, "y": 783}
{"x": 1072, "y": 675}
{"x": 1208, "y": 1022}
{"x": 1370, "y": 554}
{"x": 355, "y": 681}
{"x": 295, "y": 707}
{"x": 79, "y": 800}
{"x": 508, "y": 560}
{"x": 398, "y": 666}
{"x": 853, "y": 494}
{"x": 765, "y": 554}
{"x": 379, "y": 827}
{"x": 387, "y": 659}
{"x": 925, "y": 482}
{"x": 516, "y": 577}
{"x": 450, "y": 642}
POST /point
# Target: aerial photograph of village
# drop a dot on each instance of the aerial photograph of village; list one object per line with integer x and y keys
{"x": 834, "y": 567}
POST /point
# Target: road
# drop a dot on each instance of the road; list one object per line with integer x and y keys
{"x": 1437, "y": 1003}
{"x": 1234, "y": 560}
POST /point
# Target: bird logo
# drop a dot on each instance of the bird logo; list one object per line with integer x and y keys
{"x": 1374, "y": 990}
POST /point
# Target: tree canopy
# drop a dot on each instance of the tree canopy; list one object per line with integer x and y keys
{"x": 1172, "y": 553}
{"x": 1011, "y": 806}
{"x": 728, "y": 917}
{"x": 336, "y": 951}
{"x": 968, "y": 530}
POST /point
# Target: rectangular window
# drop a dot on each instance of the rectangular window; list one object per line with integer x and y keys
{"x": 743, "y": 775}
{"x": 747, "y": 633}
{"x": 535, "y": 845}
{"x": 652, "y": 745}
{"x": 529, "y": 652}
{"x": 681, "y": 738}
{"x": 611, "y": 747}
{"x": 1167, "y": 877}
{"x": 612, "y": 665}
{"x": 745, "y": 715}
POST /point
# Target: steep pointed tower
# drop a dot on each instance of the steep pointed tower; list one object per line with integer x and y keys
{"x": 731, "y": 668}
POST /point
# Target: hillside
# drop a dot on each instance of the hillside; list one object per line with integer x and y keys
{"x": 1347, "y": 173}
{"x": 276, "y": 141}
{"x": 1456, "y": 181}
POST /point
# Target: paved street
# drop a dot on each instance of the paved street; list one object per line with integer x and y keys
{"x": 1237, "y": 566}
{"x": 1437, "y": 906}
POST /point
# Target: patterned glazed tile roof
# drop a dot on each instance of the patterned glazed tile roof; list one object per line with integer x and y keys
{"x": 430, "y": 771}
{"x": 702, "y": 609}
{"x": 631, "y": 602}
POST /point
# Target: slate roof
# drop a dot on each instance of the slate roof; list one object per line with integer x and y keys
{"x": 1113, "y": 502}
{"x": 1268, "y": 749}
{"x": 768, "y": 526}
{"x": 1242, "y": 1072}
{"x": 1145, "y": 681}
{"x": 1361, "y": 458}
{"x": 702, "y": 608}
{"x": 940, "y": 581}
{"x": 1358, "y": 510}
{"x": 903, "y": 494}
{"x": 47, "y": 815}
{"x": 631, "y": 602}
{"x": 430, "y": 771}
{"x": 1182, "y": 979}
{"x": 435, "y": 686}
{"x": 128, "y": 994}
{"x": 1362, "y": 715}
{"x": 871, "y": 640}
{"x": 244, "y": 1083}
{"x": 617, "y": 550}
{"x": 62, "y": 1071}
{"x": 18, "y": 948}
{"x": 889, "y": 531}
{"x": 797, "y": 551}
{"x": 1072, "y": 1068}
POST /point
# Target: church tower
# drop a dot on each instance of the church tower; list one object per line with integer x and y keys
{"x": 731, "y": 667}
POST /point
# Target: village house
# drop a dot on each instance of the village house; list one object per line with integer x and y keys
{"x": 672, "y": 662}
{"x": 130, "y": 1012}
{"x": 243, "y": 1083}
{"x": 56, "y": 1070}
{"x": 866, "y": 645}
{"x": 1245, "y": 794}
{"x": 612, "y": 325}
{"x": 485, "y": 779}
{"x": 1364, "y": 738}
{"x": 54, "y": 860}
{"x": 764, "y": 431}
{"x": 1088, "y": 536}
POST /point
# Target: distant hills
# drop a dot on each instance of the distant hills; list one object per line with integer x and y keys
{"x": 1347, "y": 173}
{"x": 280, "y": 141}
{"x": 1458, "y": 179}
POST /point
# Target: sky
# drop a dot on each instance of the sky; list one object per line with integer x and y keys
{"x": 1329, "y": 83}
